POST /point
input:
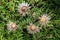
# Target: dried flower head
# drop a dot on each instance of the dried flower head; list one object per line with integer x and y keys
{"x": 12, "y": 26}
{"x": 32, "y": 28}
{"x": 44, "y": 19}
{"x": 23, "y": 8}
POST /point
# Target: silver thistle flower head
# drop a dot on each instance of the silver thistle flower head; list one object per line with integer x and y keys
{"x": 32, "y": 28}
{"x": 12, "y": 26}
{"x": 23, "y": 8}
{"x": 44, "y": 19}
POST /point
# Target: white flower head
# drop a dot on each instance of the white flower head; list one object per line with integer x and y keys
{"x": 32, "y": 28}
{"x": 23, "y": 8}
{"x": 44, "y": 19}
{"x": 12, "y": 26}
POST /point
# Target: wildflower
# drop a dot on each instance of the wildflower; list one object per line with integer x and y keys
{"x": 32, "y": 28}
{"x": 11, "y": 26}
{"x": 44, "y": 19}
{"x": 23, "y": 8}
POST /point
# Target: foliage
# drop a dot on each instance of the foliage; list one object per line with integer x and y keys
{"x": 9, "y": 12}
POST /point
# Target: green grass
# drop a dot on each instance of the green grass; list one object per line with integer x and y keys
{"x": 9, "y": 12}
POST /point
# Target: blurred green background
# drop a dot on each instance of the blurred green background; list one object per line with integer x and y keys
{"x": 9, "y": 12}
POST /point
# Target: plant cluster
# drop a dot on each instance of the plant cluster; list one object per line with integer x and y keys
{"x": 29, "y": 20}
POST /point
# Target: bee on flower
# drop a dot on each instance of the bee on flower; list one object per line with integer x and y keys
{"x": 44, "y": 19}
{"x": 12, "y": 26}
{"x": 33, "y": 29}
{"x": 23, "y": 8}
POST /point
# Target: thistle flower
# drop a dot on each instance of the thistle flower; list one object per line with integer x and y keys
{"x": 23, "y": 8}
{"x": 12, "y": 26}
{"x": 44, "y": 19}
{"x": 32, "y": 28}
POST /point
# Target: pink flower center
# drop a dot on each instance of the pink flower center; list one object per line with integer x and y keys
{"x": 13, "y": 25}
{"x": 24, "y": 8}
{"x": 33, "y": 28}
{"x": 43, "y": 19}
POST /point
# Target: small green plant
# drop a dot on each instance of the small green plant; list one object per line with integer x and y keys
{"x": 29, "y": 20}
